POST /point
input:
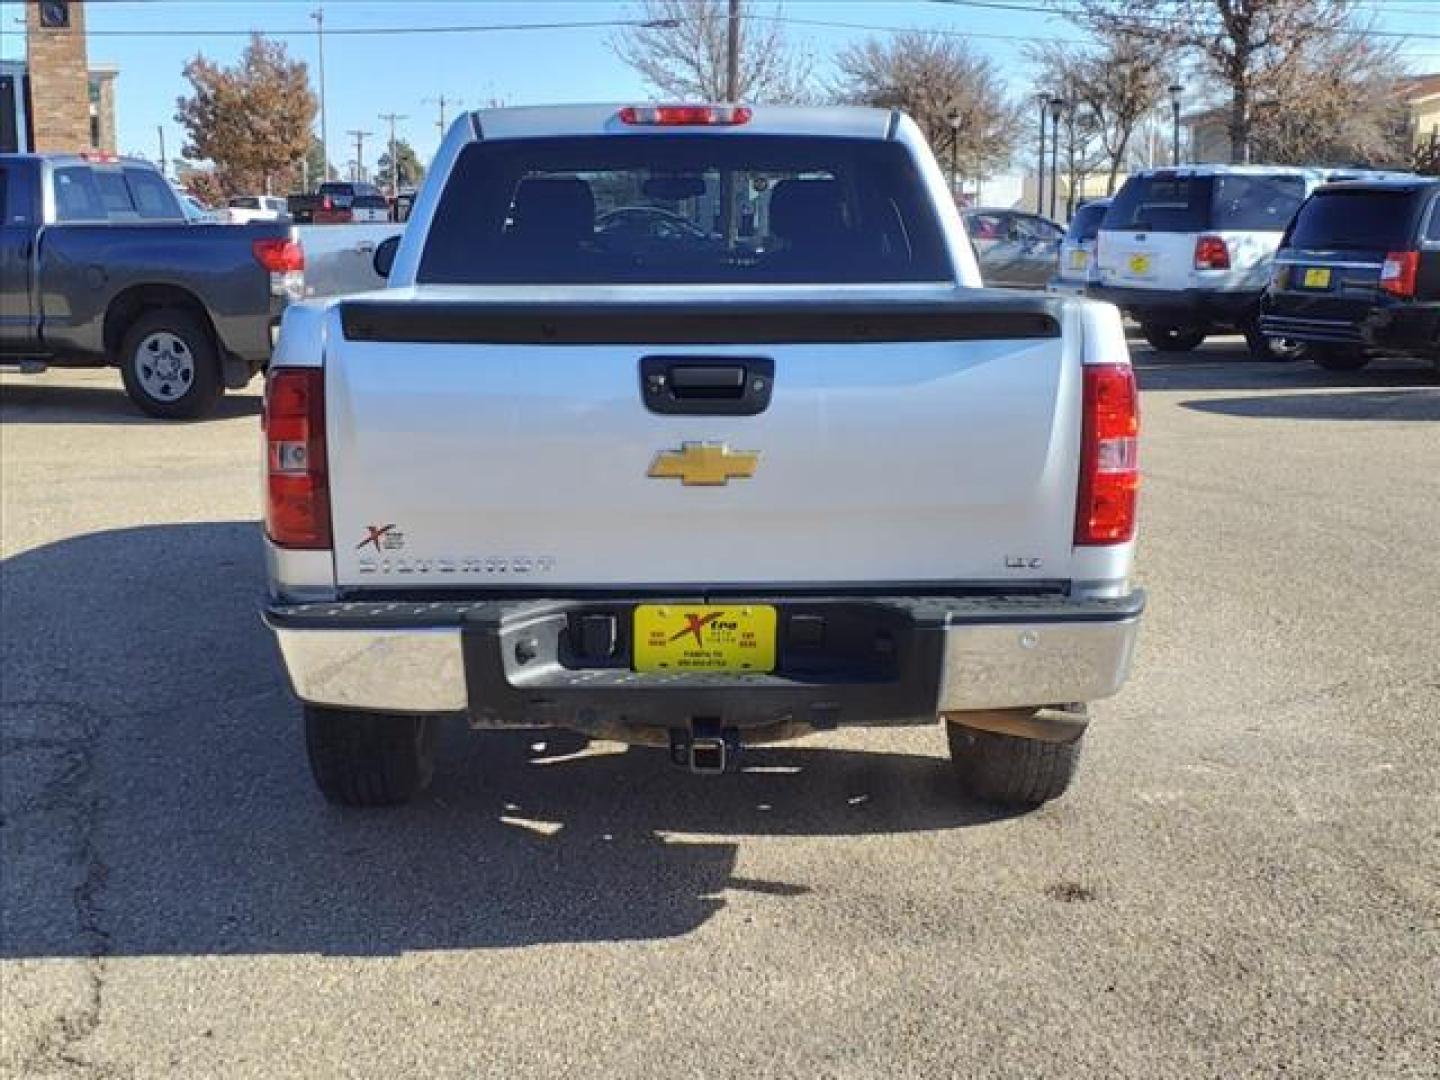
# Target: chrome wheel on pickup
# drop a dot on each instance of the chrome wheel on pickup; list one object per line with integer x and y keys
{"x": 170, "y": 365}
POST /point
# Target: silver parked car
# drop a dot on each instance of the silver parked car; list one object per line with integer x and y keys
{"x": 1078, "y": 269}
{"x": 1015, "y": 250}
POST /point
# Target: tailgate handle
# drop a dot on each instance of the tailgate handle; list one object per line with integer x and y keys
{"x": 706, "y": 386}
{"x": 697, "y": 381}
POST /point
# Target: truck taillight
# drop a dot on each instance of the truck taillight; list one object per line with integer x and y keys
{"x": 297, "y": 492}
{"x": 285, "y": 259}
{"x": 1211, "y": 253}
{"x": 685, "y": 115}
{"x": 1398, "y": 273}
{"x": 1109, "y": 455}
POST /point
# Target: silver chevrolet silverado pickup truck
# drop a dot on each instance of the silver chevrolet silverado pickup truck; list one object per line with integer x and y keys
{"x": 691, "y": 426}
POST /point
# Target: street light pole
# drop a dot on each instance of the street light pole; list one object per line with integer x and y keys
{"x": 1040, "y": 164}
{"x": 732, "y": 52}
{"x": 319, "y": 16}
{"x": 1175, "y": 91}
{"x": 954, "y": 120}
{"x": 1057, "y": 105}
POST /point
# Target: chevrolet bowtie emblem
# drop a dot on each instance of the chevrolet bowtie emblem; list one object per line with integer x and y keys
{"x": 704, "y": 464}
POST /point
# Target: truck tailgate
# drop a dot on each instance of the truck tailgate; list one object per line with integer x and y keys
{"x": 500, "y": 444}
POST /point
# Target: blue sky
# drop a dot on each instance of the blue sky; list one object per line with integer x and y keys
{"x": 370, "y": 75}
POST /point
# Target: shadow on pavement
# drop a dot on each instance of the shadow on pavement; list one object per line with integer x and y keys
{"x": 156, "y": 799}
{"x": 1237, "y": 371}
{"x": 38, "y": 402}
{"x": 1412, "y": 404}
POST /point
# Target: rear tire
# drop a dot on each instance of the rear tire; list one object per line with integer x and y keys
{"x": 369, "y": 759}
{"x": 1338, "y": 358}
{"x": 1009, "y": 770}
{"x": 1172, "y": 338}
{"x": 170, "y": 365}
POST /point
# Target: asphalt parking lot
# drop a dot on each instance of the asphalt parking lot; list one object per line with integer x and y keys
{"x": 1245, "y": 880}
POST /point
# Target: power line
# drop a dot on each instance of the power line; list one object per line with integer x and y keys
{"x": 389, "y": 31}
{"x": 1152, "y": 20}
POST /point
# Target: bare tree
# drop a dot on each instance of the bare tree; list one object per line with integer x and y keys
{"x": 954, "y": 94}
{"x": 1345, "y": 107}
{"x": 681, "y": 50}
{"x": 1274, "y": 59}
{"x": 1109, "y": 86}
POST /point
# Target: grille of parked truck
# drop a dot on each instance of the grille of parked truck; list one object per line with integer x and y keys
{"x": 100, "y": 265}
{"x": 1358, "y": 274}
{"x": 768, "y": 462}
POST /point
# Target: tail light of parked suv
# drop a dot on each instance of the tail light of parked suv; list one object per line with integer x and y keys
{"x": 1211, "y": 253}
{"x": 297, "y": 491}
{"x": 1109, "y": 456}
{"x": 285, "y": 259}
{"x": 1398, "y": 273}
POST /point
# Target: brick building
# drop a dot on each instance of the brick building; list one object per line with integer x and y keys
{"x": 56, "y": 100}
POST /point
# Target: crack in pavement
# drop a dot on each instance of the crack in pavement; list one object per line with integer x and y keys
{"x": 76, "y": 793}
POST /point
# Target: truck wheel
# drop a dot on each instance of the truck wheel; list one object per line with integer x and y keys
{"x": 1172, "y": 338}
{"x": 1338, "y": 358}
{"x": 170, "y": 365}
{"x": 1009, "y": 770}
{"x": 369, "y": 759}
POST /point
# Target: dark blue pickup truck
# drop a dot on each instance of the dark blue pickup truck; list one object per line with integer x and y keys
{"x": 99, "y": 267}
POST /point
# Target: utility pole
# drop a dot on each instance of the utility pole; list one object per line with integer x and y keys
{"x": 319, "y": 16}
{"x": 359, "y": 137}
{"x": 442, "y": 101}
{"x": 390, "y": 118}
{"x": 161, "y": 129}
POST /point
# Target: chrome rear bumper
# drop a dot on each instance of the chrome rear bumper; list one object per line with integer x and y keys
{"x": 502, "y": 662}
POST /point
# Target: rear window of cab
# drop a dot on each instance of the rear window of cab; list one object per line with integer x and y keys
{"x": 1224, "y": 203}
{"x": 653, "y": 209}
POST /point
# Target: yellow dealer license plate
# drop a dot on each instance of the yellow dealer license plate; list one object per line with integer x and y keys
{"x": 1317, "y": 277}
{"x": 1077, "y": 260}
{"x": 680, "y": 638}
{"x": 1139, "y": 264}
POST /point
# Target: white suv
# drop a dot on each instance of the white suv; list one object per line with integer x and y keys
{"x": 1188, "y": 251}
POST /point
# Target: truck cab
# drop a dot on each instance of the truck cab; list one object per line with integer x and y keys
{"x": 100, "y": 266}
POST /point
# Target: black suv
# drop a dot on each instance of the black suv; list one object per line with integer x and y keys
{"x": 1358, "y": 274}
